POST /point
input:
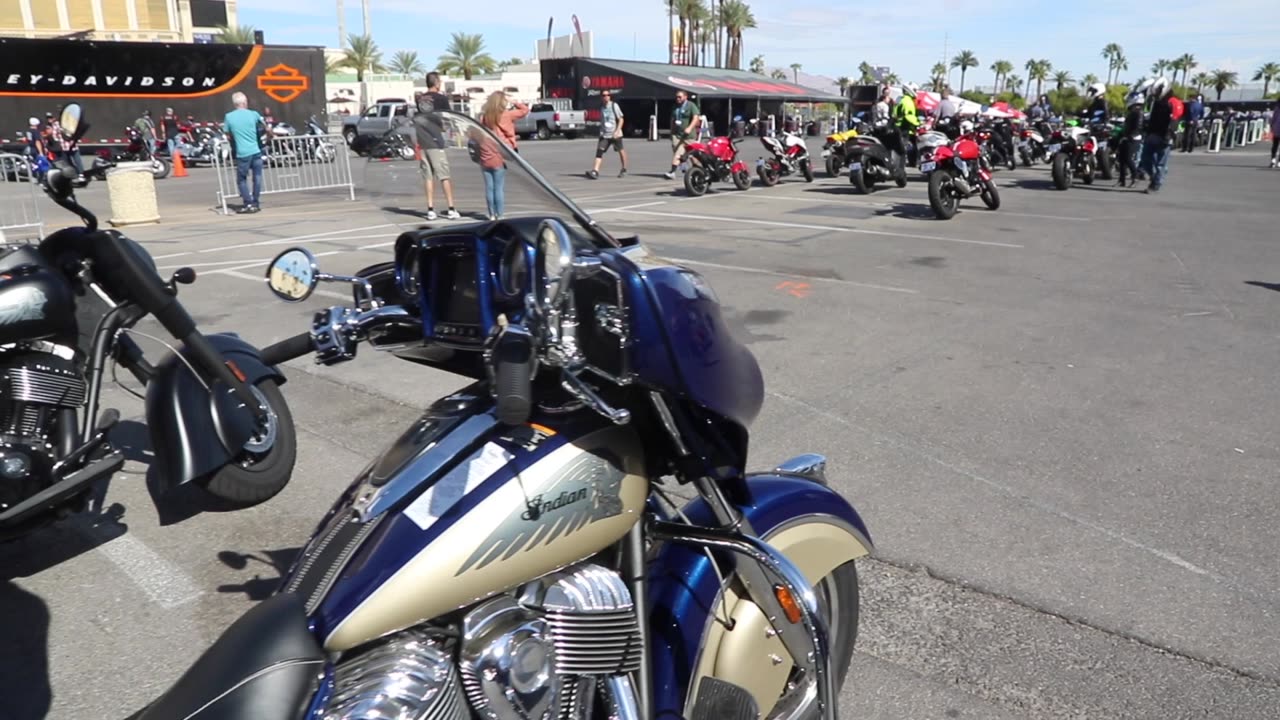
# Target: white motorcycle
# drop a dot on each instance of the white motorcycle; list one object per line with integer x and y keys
{"x": 787, "y": 157}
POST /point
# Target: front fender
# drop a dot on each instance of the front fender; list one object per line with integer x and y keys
{"x": 187, "y": 423}
{"x": 811, "y": 524}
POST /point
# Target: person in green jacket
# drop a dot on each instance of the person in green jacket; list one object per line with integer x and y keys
{"x": 904, "y": 113}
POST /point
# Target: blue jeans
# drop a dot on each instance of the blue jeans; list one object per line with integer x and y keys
{"x": 243, "y": 166}
{"x": 495, "y": 180}
{"x": 1155, "y": 159}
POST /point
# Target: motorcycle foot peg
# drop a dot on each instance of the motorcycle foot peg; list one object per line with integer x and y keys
{"x": 107, "y": 420}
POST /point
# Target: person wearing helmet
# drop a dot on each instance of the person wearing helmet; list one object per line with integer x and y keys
{"x": 906, "y": 120}
{"x": 1159, "y": 134}
{"x": 1096, "y": 94}
{"x": 1131, "y": 138}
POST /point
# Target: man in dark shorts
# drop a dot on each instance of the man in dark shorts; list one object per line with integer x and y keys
{"x": 433, "y": 162}
{"x": 610, "y": 134}
{"x": 685, "y": 120}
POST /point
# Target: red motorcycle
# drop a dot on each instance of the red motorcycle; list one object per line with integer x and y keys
{"x": 139, "y": 150}
{"x": 960, "y": 170}
{"x": 716, "y": 159}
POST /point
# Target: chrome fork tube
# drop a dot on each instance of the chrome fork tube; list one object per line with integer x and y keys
{"x": 761, "y": 567}
{"x": 623, "y": 703}
{"x": 634, "y": 562}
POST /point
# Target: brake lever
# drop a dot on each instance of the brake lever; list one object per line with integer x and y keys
{"x": 578, "y": 387}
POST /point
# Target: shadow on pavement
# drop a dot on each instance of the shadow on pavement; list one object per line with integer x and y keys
{"x": 908, "y": 211}
{"x": 24, "y": 655}
{"x": 258, "y": 587}
{"x": 1264, "y": 285}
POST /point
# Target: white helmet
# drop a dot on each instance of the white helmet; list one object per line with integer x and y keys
{"x": 33, "y": 121}
{"x": 1095, "y": 90}
{"x": 910, "y": 89}
{"x": 966, "y": 127}
{"x": 1159, "y": 87}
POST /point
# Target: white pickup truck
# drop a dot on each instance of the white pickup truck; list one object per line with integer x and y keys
{"x": 546, "y": 119}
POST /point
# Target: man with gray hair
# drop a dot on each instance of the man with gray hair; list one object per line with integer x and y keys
{"x": 245, "y": 127}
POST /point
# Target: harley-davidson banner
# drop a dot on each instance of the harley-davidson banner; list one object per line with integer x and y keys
{"x": 117, "y": 81}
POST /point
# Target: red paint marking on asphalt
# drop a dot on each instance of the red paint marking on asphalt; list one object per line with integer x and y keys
{"x": 796, "y": 289}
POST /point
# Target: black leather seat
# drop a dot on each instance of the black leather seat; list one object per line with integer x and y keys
{"x": 266, "y": 666}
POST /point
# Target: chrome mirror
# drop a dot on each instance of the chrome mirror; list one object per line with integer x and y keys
{"x": 293, "y": 275}
{"x": 553, "y": 262}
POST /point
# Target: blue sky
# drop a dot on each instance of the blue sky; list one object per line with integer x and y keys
{"x": 828, "y": 38}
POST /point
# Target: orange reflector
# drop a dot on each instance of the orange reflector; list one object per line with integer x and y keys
{"x": 235, "y": 370}
{"x": 788, "y": 602}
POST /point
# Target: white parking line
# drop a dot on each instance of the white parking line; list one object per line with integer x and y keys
{"x": 235, "y": 273}
{"x": 300, "y": 238}
{"x": 164, "y": 582}
{"x": 760, "y": 271}
{"x": 829, "y": 228}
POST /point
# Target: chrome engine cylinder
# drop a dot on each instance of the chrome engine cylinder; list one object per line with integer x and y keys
{"x": 411, "y": 676}
{"x": 591, "y": 618}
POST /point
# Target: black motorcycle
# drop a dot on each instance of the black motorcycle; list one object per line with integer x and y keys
{"x": 142, "y": 149}
{"x": 214, "y": 409}
{"x": 873, "y": 159}
{"x": 1072, "y": 149}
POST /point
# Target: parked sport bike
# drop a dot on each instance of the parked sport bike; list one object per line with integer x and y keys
{"x": 787, "y": 156}
{"x": 949, "y": 183}
{"x": 1072, "y": 149}
{"x": 516, "y": 552}
{"x": 833, "y": 151}
{"x": 1031, "y": 146}
{"x": 927, "y": 143}
{"x": 215, "y": 413}
{"x": 139, "y": 150}
{"x": 871, "y": 161}
{"x": 712, "y": 161}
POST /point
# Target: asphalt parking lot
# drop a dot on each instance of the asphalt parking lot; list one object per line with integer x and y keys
{"x": 1057, "y": 420}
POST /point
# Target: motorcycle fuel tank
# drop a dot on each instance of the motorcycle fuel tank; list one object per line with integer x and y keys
{"x": 527, "y": 501}
{"x": 35, "y": 304}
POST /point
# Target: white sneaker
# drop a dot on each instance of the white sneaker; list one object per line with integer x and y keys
{"x": 669, "y": 176}
{"x": 452, "y": 214}
{"x": 1273, "y": 162}
{"x": 431, "y": 215}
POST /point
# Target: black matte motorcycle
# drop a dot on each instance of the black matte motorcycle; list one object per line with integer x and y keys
{"x": 871, "y": 159}
{"x": 214, "y": 409}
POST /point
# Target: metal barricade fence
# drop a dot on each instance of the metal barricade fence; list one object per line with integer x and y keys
{"x": 19, "y": 200}
{"x": 1214, "y": 143}
{"x": 297, "y": 163}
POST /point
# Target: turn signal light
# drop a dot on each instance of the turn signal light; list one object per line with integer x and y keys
{"x": 790, "y": 607}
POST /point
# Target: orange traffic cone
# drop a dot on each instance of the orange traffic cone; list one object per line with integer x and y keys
{"x": 179, "y": 168}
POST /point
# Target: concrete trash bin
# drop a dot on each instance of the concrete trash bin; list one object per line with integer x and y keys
{"x": 132, "y": 190}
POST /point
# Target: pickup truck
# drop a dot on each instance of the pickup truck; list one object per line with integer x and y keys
{"x": 544, "y": 120}
{"x": 366, "y": 129}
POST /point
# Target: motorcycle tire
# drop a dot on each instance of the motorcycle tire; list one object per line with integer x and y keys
{"x": 1026, "y": 158}
{"x": 742, "y": 179}
{"x": 1011, "y": 162}
{"x": 991, "y": 195}
{"x": 1106, "y": 166}
{"x": 833, "y": 166}
{"x": 160, "y": 168}
{"x": 696, "y": 181}
{"x": 1089, "y": 171}
{"x": 254, "y": 477}
{"x": 768, "y": 176}
{"x": 350, "y": 137}
{"x": 806, "y": 170}
{"x": 1061, "y": 172}
{"x": 861, "y": 182}
{"x": 325, "y": 153}
{"x": 942, "y": 194}
{"x": 900, "y": 177}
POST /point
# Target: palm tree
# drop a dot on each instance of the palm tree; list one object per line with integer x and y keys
{"x": 406, "y": 62}
{"x": 363, "y": 56}
{"x": 1062, "y": 77}
{"x": 1122, "y": 63}
{"x": 844, "y": 82}
{"x": 1088, "y": 80}
{"x": 1223, "y": 79}
{"x": 757, "y": 64}
{"x": 778, "y": 74}
{"x": 1015, "y": 84}
{"x": 1188, "y": 63}
{"x": 238, "y": 35}
{"x": 465, "y": 54}
{"x": 334, "y": 65}
{"x": 1111, "y": 52}
{"x": 688, "y": 12}
{"x": 795, "y": 73}
{"x": 892, "y": 79}
{"x": 939, "y": 75}
{"x": 1266, "y": 74}
{"x": 1158, "y": 67}
{"x": 1001, "y": 68}
{"x": 1201, "y": 79}
{"x": 965, "y": 60}
{"x": 868, "y": 75}
{"x": 1038, "y": 70}
{"x": 671, "y": 31}
{"x": 735, "y": 16}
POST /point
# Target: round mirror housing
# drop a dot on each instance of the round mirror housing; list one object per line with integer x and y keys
{"x": 553, "y": 263}
{"x": 71, "y": 121}
{"x": 293, "y": 275}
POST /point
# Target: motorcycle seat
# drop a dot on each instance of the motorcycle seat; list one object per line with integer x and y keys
{"x": 266, "y": 665}
{"x": 19, "y": 256}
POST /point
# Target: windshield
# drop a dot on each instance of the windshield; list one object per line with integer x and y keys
{"x": 488, "y": 179}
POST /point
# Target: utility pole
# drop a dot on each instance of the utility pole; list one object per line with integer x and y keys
{"x": 367, "y": 30}
{"x": 342, "y": 27}
{"x": 946, "y": 37}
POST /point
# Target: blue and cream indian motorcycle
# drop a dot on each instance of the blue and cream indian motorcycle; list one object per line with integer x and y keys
{"x": 521, "y": 551}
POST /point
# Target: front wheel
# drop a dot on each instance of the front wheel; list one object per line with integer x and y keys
{"x": 1061, "y": 172}
{"x": 806, "y": 170}
{"x": 942, "y": 194}
{"x": 1105, "y": 166}
{"x": 742, "y": 179}
{"x": 860, "y": 181}
{"x": 990, "y": 195}
{"x": 833, "y": 166}
{"x": 265, "y": 464}
{"x": 407, "y": 152}
{"x": 159, "y": 168}
{"x": 696, "y": 181}
{"x": 325, "y": 152}
{"x": 1090, "y": 167}
{"x": 768, "y": 175}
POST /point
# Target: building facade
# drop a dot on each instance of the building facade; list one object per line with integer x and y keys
{"x": 135, "y": 20}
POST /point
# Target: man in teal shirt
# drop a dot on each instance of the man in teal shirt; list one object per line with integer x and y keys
{"x": 243, "y": 125}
